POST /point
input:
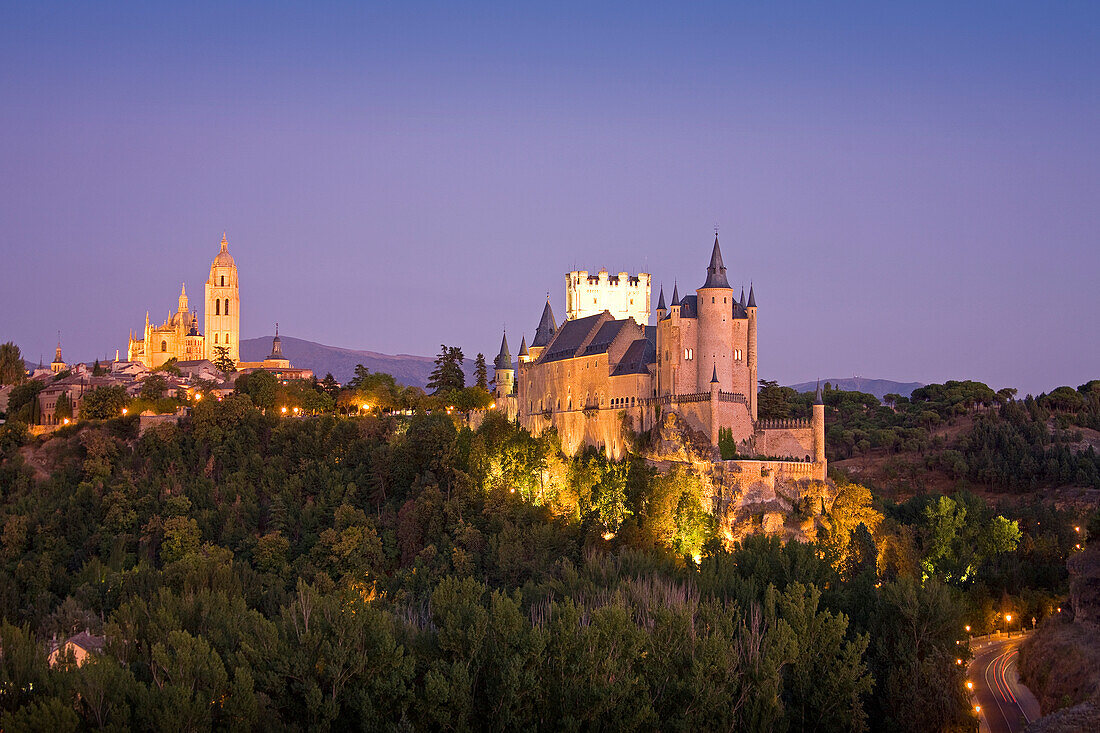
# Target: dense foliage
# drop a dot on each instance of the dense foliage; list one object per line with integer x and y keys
{"x": 994, "y": 441}
{"x": 253, "y": 571}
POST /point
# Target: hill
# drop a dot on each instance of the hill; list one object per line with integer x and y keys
{"x": 878, "y": 387}
{"x": 406, "y": 368}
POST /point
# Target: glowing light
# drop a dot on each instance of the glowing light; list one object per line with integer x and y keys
{"x": 1008, "y": 617}
{"x": 697, "y": 558}
{"x": 512, "y": 490}
{"x": 969, "y": 685}
{"x": 977, "y": 708}
{"x": 66, "y": 421}
{"x": 492, "y": 405}
{"x": 609, "y": 535}
{"x": 198, "y": 397}
{"x": 284, "y": 410}
{"x": 364, "y": 407}
{"x": 968, "y": 628}
{"x": 1076, "y": 529}
{"x": 958, "y": 661}
{"x": 124, "y": 410}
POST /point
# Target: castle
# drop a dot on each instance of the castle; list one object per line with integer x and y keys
{"x": 178, "y": 337}
{"x": 605, "y": 372}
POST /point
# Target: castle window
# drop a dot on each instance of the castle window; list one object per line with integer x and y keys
{"x": 217, "y": 307}
{"x": 712, "y": 299}
{"x": 227, "y": 306}
{"x": 163, "y": 346}
{"x": 215, "y": 338}
{"x": 223, "y": 281}
{"x": 227, "y": 338}
{"x": 723, "y": 300}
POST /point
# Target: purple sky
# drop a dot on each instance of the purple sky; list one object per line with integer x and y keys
{"x": 914, "y": 191}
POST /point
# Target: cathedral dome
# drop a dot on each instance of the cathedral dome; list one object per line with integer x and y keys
{"x": 224, "y": 259}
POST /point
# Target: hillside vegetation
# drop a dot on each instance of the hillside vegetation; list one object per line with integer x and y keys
{"x": 327, "y": 573}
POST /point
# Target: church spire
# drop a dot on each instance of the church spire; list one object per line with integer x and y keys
{"x": 225, "y": 243}
{"x": 183, "y": 298}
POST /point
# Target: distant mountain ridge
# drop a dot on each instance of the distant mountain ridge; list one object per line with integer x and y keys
{"x": 405, "y": 368}
{"x": 878, "y": 387}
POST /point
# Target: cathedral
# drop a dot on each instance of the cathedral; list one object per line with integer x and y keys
{"x": 606, "y": 371}
{"x": 179, "y": 337}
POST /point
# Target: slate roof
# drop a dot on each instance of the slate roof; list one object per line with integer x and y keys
{"x": 569, "y": 337}
{"x": 639, "y": 355}
{"x": 601, "y": 342}
{"x": 716, "y": 271}
{"x": 547, "y": 327}
{"x": 504, "y": 358}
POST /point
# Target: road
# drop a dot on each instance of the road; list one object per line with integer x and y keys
{"x": 1006, "y": 705}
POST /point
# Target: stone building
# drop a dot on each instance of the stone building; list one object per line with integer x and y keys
{"x": 178, "y": 337}
{"x": 601, "y": 377}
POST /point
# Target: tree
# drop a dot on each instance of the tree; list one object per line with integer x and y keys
{"x": 12, "y": 370}
{"x": 22, "y": 401}
{"x": 223, "y": 361}
{"x": 103, "y": 403}
{"x": 64, "y": 407}
{"x": 329, "y": 385}
{"x": 153, "y": 387}
{"x": 447, "y": 375}
{"x": 481, "y": 376}
{"x": 169, "y": 367}
{"x": 259, "y": 385}
{"x": 97, "y": 370}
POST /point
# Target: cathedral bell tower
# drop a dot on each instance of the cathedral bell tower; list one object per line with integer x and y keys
{"x": 223, "y": 306}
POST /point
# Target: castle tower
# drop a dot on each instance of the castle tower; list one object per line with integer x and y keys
{"x": 661, "y": 309}
{"x": 819, "y": 427}
{"x": 505, "y": 377}
{"x": 623, "y": 295}
{"x": 524, "y": 354}
{"x": 715, "y": 335}
{"x": 223, "y": 306}
{"x": 714, "y": 406}
{"x": 750, "y": 308}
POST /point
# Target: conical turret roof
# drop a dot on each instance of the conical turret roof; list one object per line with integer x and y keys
{"x": 714, "y": 375}
{"x": 661, "y": 300}
{"x": 523, "y": 347}
{"x": 818, "y": 400}
{"x": 752, "y": 297}
{"x": 547, "y": 327}
{"x": 675, "y": 293}
{"x": 716, "y": 271}
{"x": 504, "y": 358}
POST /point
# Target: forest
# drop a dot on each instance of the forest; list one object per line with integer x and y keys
{"x": 250, "y": 570}
{"x": 1004, "y": 444}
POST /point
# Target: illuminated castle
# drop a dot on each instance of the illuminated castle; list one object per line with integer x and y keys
{"x": 605, "y": 370}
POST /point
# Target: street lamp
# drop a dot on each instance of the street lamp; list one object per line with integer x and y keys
{"x": 1008, "y": 623}
{"x": 284, "y": 410}
{"x": 969, "y": 685}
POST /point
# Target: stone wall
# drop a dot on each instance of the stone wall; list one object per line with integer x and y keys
{"x": 795, "y": 439}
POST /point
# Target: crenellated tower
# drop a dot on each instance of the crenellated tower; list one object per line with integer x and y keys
{"x": 223, "y": 306}
{"x": 750, "y": 309}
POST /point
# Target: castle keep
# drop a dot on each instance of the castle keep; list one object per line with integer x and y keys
{"x": 603, "y": 374}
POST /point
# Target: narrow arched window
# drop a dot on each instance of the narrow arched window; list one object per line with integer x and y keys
{"x": 223, "y": 281}
{"x": 215, "y": 338}
{"x": 217, "y": 307}
{"x": 163, "y": 346}
{"x": 227, "y": 306}
{"x": 227, "y": 338}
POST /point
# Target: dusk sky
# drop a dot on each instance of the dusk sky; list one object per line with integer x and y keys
{"x": 914, "y": 191}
